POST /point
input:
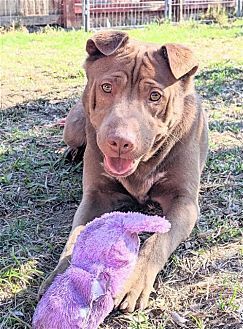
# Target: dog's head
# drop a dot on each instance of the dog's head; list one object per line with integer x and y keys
{"x": 134, "y": 96}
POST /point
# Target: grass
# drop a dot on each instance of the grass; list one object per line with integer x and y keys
{"x": 42, "y": 77}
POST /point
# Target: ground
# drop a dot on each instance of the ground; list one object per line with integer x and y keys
{"x": 42, "y": 77}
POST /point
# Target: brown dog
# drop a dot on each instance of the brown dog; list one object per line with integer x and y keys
{"x": 146, "y": 139}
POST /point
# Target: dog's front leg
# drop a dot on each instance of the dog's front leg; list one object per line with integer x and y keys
{"x": 94, "y": 204}
{"x": 182, "y": 213}
{"x": 74, "y": 129}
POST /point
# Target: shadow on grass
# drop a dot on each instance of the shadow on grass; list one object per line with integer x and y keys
{"x": 224, "y": 81}
{"x": 223, "y": 126}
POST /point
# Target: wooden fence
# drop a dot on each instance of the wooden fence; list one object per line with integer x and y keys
{"x": 93, "y": 14}
{"x": 31, "y": 12}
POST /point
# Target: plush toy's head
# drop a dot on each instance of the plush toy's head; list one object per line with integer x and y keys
{"x": 104, "y": 255}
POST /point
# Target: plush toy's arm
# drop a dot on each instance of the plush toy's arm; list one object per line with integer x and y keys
{"x": 137, "y": 222}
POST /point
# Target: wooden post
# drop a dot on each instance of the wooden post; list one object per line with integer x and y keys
{"x": 69, "y": 19}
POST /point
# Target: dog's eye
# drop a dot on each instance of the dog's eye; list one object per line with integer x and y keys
{"x": 155, "y": 96}
{"x": 107, "y": 87}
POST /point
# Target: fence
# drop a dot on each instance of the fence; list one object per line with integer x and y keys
{"x": 199, "y": 9}
{"x": 30, "y": 12}
{"x": 122, "y": 13}
{"x": 95, "y": 14}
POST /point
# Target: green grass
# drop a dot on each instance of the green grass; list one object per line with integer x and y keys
{"x": 42, "y": 77}
{"x": 50, "y": 63}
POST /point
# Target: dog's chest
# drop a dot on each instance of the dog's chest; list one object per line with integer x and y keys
{"x": 139, "y": 187}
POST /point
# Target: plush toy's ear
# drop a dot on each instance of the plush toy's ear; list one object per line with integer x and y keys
{"x": 105, "y": 42}
{"x": 181, "y": 59}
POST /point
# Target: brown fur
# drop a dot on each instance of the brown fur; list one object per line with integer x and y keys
{"x": 165, "y": 139}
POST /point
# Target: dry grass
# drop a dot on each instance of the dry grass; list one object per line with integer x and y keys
{"x": 201, "y": 286}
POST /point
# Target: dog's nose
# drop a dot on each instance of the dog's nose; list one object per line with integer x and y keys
{"x": 120, "y": 145}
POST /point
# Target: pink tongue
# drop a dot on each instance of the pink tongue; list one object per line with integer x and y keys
{"x": 118, "y": 165}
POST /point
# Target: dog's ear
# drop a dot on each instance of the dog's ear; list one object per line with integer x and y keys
{"x": 105, "y": 42}
{"x": 181, "y": 60}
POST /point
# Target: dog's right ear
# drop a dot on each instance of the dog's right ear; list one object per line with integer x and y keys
{"x": 181, "y": 60}
{"x": 106, "y": 43}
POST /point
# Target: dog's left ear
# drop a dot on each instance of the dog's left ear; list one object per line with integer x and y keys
{"x": 181, "y": 59}
{"x": 105, "y": 42}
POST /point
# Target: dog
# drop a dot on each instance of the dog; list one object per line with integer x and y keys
{"x": 146, "y": 139}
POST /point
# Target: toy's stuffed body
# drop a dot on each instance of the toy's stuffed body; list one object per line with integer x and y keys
{"x": 103, "y": 257}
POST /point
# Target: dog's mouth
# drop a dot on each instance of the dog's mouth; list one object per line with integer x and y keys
{"x": 119, "y": 166}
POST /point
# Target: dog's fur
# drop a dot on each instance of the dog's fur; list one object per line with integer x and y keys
{"x": 146, "y": 139}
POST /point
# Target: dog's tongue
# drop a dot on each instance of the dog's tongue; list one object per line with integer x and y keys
{"x": 118, "y": 166}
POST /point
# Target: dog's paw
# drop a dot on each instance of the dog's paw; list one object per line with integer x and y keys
{"x": 46, "y": 284}
{"x": 74, "y": 156}
{"x": 136, "y": 292}
{"x": 61, "y": 267}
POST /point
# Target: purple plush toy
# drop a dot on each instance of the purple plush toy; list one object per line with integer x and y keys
{"x": 104, "y": 255}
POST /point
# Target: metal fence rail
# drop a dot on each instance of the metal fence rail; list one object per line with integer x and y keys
{"x": 124, "y": 13}
{"x": 199, "y": 9}
{"x": 119, "y": 14}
